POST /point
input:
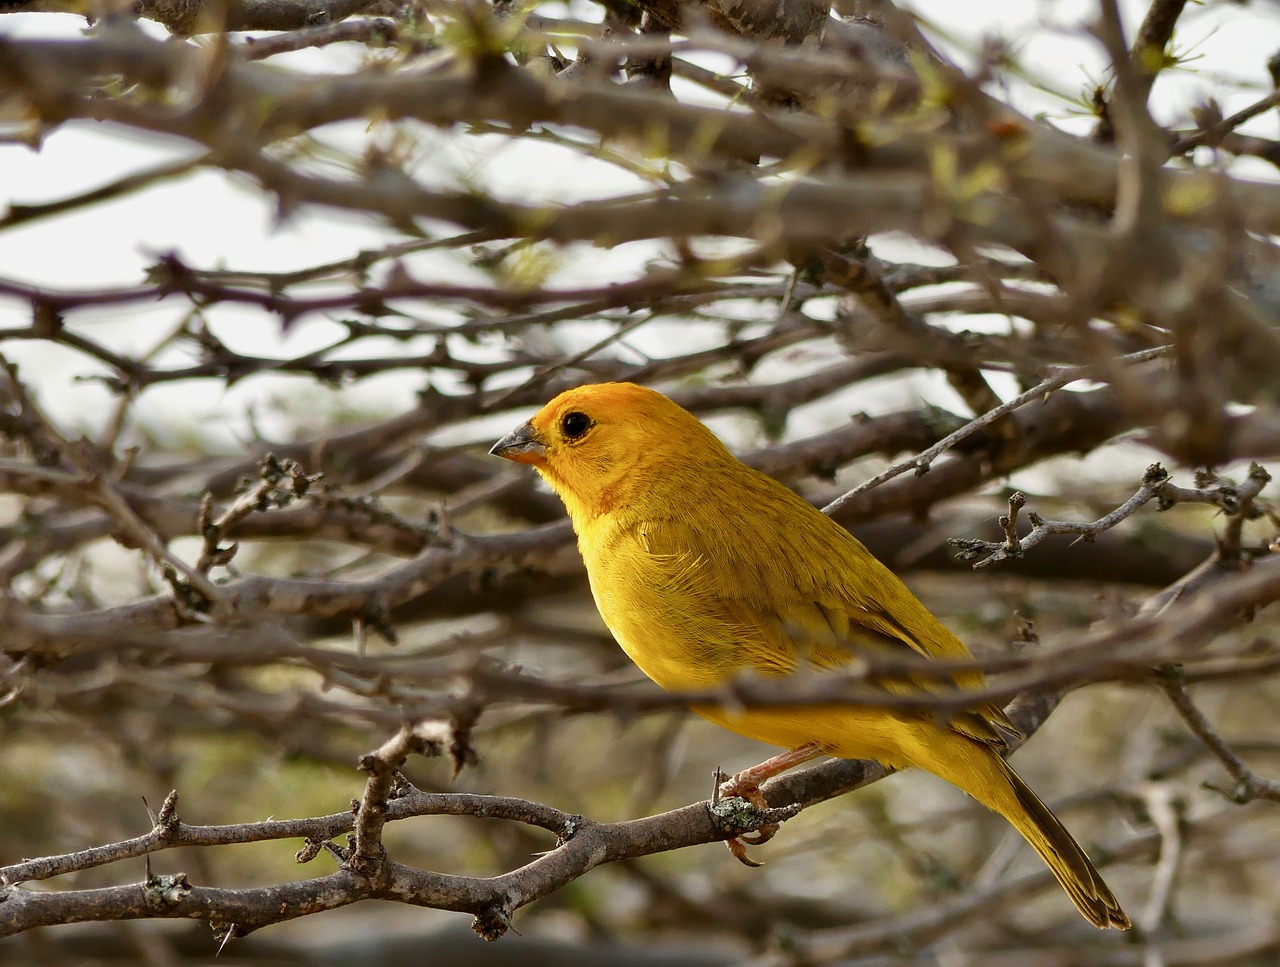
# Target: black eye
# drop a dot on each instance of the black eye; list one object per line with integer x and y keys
{"x": 574, "y": 424}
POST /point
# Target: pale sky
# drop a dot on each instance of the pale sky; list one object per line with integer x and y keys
{"x": 214, "y": 220}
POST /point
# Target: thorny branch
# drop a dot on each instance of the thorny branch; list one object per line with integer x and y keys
{"x": 766, "y": 156}
{"x": 923, "y": 461}
{"x": 581, "y": 845}
{"x": 1238, "y": 502}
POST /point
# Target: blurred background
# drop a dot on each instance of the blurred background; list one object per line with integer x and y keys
{"x": 369, "y": 239}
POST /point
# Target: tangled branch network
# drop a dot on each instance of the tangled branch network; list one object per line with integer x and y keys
{"x": 890, "y": 268}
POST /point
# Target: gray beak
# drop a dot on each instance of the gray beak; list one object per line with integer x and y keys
{"x": 521, "y": 445}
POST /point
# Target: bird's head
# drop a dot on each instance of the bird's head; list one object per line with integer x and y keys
{"x": 601, "y": 446}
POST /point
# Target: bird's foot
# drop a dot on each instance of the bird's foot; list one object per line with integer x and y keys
{"x": 745, "y": 787}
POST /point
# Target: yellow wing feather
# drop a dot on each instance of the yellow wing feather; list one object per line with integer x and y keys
{"x": 692, "y": 610}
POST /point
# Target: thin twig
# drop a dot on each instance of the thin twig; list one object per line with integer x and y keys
{"x": 1249, "y": 785}
{"x": 922, "y": 461}
{"x": 1236, "y": 501}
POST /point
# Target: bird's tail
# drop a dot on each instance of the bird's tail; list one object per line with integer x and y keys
{"x": 1063, "y": 854}
{"x": 990, "y": 780}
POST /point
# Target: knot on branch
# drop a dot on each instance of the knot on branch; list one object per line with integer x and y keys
{"x": 1155, "y": 475}
{"x": 225, "y": 932}
{"x": 1012, "y": 547}
{"x": 492, "y": 923}
{"x": 376, "y": 616}
{"x": 572, "y": 826}
{"x": 163, "y": 892}
{"x": 311, "y": 848}
{"x": 1243, "y": 792}
{"x": 165, "y": 823}
{"x": 169, "y": 272}
{"x": 191, "y": 603}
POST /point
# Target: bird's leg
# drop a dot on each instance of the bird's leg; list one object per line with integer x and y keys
{"x": 746, "y": 785}
{"x": 747, "y": 782}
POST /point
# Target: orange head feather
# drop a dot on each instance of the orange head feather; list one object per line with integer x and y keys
{"x": 600, "y": 446}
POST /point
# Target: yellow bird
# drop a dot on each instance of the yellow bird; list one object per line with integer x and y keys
{"x": 704, "y": 569}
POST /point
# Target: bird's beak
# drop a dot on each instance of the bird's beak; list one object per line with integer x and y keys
{"x": 523, "y": 445}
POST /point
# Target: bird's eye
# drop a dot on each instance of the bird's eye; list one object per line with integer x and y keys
{"x": 574, "y": 424}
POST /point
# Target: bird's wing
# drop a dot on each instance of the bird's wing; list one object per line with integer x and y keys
{"x": 826, "y": 636}
{"x": 789, "y": 610}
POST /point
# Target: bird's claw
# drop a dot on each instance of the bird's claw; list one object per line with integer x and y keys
{"x": 738, "y": 847}
{"x": 745, "y": 789}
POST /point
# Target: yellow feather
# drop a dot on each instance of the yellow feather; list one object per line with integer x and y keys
{"x": 704, "y": 569}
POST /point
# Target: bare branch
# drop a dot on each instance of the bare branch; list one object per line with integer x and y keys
{"x": 1156, "y": 485}
{"x": 1249, "y": 786}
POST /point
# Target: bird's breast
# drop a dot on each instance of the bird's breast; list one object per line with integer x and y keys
{"x": 660, "y": 610}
